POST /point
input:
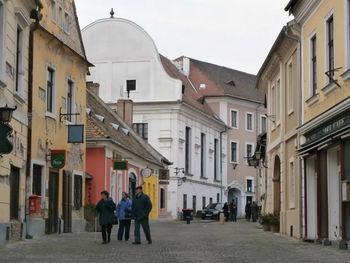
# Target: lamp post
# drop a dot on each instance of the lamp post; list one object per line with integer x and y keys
{"x": 6, "y": 113}
{"x": 5, "y": 129}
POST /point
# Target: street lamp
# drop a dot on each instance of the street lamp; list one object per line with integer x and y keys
{"x": 6, "y": 113}
{"x": 258, "y": 155}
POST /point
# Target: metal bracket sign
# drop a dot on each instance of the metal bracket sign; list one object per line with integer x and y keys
{"x": 120, "y": 165}
{"x": 58, "y": 159}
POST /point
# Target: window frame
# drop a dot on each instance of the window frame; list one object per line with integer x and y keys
{"x": 70, "y": 118}
{"x": 50, "y": 68}
{"x": 329, "y": 45}
{"x": 290, "y": 86}
{"x": 143, "y": 126}
{"x": 246, "y": 121}
{"x": 292, "y": 184}
{"x": 2, "y": 43}
{"x": 251, "y": 180}
{"x": 313, "y": 65}
{"x": 237, "y": 152}
{"x": 347, "y": 36}
{"x": 188, "y": 149}
{"x": 54, "y": 9}
{"x": 184, "y": 201}
{"x": 278, "y": 101}
{"x": 237, "y": 118}
{"x": 216, "y": 159}
{"x": 78, "y": 203}
{"x": 203, "y": 156}
{"x": 41, "y": 179}
{"x": 246, "y": 150}
{"x": 261, "y": 122}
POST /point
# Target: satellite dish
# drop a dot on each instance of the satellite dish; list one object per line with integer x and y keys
{"x": 146, "y": 172}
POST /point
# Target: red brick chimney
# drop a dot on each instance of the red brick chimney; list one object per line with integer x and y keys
{"x": 125, "y": 111}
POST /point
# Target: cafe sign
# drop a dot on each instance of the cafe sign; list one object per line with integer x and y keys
{"x": 329, "y": 128}
{"x": 58, "y": 159}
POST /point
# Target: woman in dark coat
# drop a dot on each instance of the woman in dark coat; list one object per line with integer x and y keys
{"x": 226, "y": 212}
{"x": 255, "y": 211}
{"x": 105, "y": 208}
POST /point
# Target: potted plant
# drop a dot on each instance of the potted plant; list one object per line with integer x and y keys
{"x": 275, "y": 223}
{"x": 265, "y": 221}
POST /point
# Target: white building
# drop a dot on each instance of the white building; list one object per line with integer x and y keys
{"x": 167, "y": 110}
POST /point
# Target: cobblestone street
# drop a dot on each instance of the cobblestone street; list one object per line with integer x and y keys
{"x": 176, "y": 242}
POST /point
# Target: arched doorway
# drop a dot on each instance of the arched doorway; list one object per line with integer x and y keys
{"x": 277, "y": 185}
{"x": 235, "y": 194}
{"x": 132, "y": 185}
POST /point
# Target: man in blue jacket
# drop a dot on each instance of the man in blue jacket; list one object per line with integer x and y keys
{"x": 141, "y": 207}
{"x": 124, "y": 215}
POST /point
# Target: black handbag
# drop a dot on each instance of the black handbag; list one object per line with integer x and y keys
{"x": 128, "y": 214}
{"x": 115, "y": 220}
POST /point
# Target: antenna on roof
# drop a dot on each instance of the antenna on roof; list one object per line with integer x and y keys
{"x": 112, "y": 13}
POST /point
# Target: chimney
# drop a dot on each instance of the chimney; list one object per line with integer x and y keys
{"x": 93, "y": 87}
{"x": 186, "y": 66}
{"x": 125, "y": 110}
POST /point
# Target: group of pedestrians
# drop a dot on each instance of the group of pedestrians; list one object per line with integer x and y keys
{"x": 126, "y": 210}
{"x": 251, "y": 211}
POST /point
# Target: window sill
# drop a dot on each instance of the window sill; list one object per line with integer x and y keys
{"x": 234, "y": 128}
{"x": 203, "y": 178}
{"x": 188, "y": 174}
{"x": 312, "y": 100}
{"x": 346, "y": 75}
{"x": 217, "y": 181}
{"x": 50, "y": 115}
{"x": 18, "y": 97}
{"x": 329, "y": 88}
{"x": 249, "y": 130}
{"x": 290, "y": 112}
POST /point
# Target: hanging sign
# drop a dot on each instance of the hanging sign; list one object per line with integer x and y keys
{"x": 58, "y": 159}
{"x": 146, "y": 172}
{"x": 120, "y": 165}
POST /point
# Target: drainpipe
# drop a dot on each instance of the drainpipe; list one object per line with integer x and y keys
{"x": 33, "y": 27}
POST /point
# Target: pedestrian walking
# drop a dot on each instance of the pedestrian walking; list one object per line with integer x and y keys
{"x": 248, "y": 211}
{"x": 141, "y": 207}
{"x": 105, "y": 208}
{"x": 233, "y": 211}
{"x": 225, "y": 208}
{"x": 255, "y": 211}
{"x": 124, "y": 209}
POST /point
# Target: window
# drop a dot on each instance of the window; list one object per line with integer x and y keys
{"x": 330, "y": 48}
{"x": 234, "y": 118}
{"x": 141, "y": 129}
{"x": 273, "y": 102}
{"x": 216, "y": 159}
{"x": 14, "y": 192}
{"x": 290, "y": 88}
{"x": 313, "y": 66}
{"x": 291, "y": 185}
{"x": 249, "y": 185}
{"x": 54, "y": 10}
{"x": 249, "y": 122}
{"x": 50, "y": 89}
{"x": 130, "y": 86}
{"x": 234, "y": 150}
{"x": 278, "y": 105}
{"x": 249, "y": 199}
{"x": 203, "y": 155}
{"x": 19, "y": 58}
{"x": 348, "y": 34}
{"x": 249, "y": 151}
{"x": 203, "y": 202}
{"x": 37, "y": 180}
{"x": 78, "y": 191}
{"x": 184, "y": 205}
{"x": 162, "y": 198}
{"x": 194, "y": 203}
{"x": 2, "y": 42}
{"x": 263, "y": 124}
{"x": 188, "y": 150}
{"x": 218, "y": 198}
{"x": 60, "y": 17}
{"x": 210, "y": 200}
{"x": 66, "y": 22}
{"x": 70, "y": 99}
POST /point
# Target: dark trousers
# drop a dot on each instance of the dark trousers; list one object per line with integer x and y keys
{"x": 106, "y": 230}
{"x": 145, "y": 226}
{"x": 233, "y": 216}
{"x": 124, "y": 225}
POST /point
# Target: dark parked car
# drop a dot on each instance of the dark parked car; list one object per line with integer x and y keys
{"x": 212, "y": 211}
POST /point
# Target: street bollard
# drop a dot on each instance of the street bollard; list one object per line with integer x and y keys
{"x": 188, "y": 220}
{"x": 222, "y": 218}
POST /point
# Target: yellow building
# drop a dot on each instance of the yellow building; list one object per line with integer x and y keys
{"x": 279, "y": 79}
{"x": 14, "y": 39}
{"x": 57, "y": 93}
{"x": 325, "y": 130}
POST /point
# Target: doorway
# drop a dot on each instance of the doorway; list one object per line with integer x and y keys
{"x": 67, "y": 202}
{"x": 14, "y": 193}
{"x": 311, "y": 194}
{"x": 132, "y": 185}
{"x": 52, "y": 226}
{"x": 277, "y": 186}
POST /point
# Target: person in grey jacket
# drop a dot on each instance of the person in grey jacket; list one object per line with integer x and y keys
{"x": 124, "y": 208}
{"x": 141, "y": 207}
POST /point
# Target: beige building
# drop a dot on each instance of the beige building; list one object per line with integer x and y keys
{"x": 279, "y": 79}
{"x": 14, "y": 41}
{"x": 325, "y": 130}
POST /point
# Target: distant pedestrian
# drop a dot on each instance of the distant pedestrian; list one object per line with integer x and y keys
{"x": 105, "y": 208}
{"x": 255, "y": 211}
{"x": 225, "y": 208}
{"x": 141, "y": 208}
{"x": 248, "y": 211}
{"x": 233, "y": 211}
{"x": 124, "y": 209}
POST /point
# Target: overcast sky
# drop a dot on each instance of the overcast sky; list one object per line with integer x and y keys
{"x": 232, "y": 33}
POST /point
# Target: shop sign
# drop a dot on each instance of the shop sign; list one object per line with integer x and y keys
{"x": 163, "y": 174}
{"x": 58, "y": 159}
{"x": 120, "y": 165}
{"x": 328, "y": 128}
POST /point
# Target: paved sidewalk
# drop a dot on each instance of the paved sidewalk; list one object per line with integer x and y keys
{"x": 176, "y": 242}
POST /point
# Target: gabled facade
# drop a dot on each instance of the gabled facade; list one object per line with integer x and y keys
{"x": 232, "y": 96}
{"x": 58, "y": 86}
{"x": 15, "y": 24}
{"x": 279, "y": 79}
{"x": 324, "y": 133}
{"x": 166, "y": 111}
{"x": 111, "y": 139}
